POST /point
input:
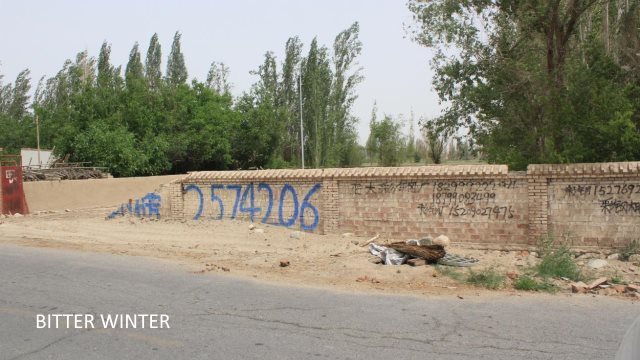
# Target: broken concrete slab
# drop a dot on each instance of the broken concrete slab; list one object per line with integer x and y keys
{"x": 597, "y": 282}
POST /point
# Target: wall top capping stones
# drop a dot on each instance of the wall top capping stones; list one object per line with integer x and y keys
{"x": 632, "y": 167}
{"x": 408, "y": 171}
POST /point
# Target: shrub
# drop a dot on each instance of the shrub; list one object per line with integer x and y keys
{"x": 489, "y": 278}
{"x": 450, "y": 272}
{"x": 557, "y": 260}
{"x": 528, "y": 283}
{"x": 631, "y": 248}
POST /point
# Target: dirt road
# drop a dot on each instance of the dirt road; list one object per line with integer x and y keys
{"x": 231, "y": 248}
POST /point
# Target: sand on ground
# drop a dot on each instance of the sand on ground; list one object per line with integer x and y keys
{"x": 231, "y": 248}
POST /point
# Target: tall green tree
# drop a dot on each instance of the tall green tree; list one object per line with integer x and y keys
{"x": 528, "y": 77}
{"x": 15, "y": 120}
{"x": 346, "y": 49}
{"x": 218, "y": 78}
{"x": 137, "y": 111}
{"x": 176, "y": 68}
{"x": 153, "y": 62}
{"x": 385, "y": 142}
{"x": 108, "y": 87}
{"x": 264, "y": 116}
{"x": 290, "y": 99}
{"x": 316, "y": 85}
{"x": 19, "y": 96}
{"x": 134, "y": 72}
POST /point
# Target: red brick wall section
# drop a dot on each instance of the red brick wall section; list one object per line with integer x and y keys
{"x": 468, "y": 208}
{"x": 538, "y": 204}
{"x": 594, "y": 204}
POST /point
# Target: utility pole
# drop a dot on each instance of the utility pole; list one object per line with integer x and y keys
{"x": 38, "y": 141}
{"x": 301, "y": 126}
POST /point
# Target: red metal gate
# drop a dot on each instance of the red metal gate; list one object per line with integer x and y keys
{"x": 12, "y": 192}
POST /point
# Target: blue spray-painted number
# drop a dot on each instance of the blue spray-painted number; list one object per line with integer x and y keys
{"x": 215, "y": 197}
{"x": 196, "y": 188}
{"x": 307, "y": 205}
{"x": 237, "y": 188}
{"x": 268, "y": 188}
{"x": 252, "y": 210}
{"x": 289, "y": 222}
{"x": 245, "y": 202}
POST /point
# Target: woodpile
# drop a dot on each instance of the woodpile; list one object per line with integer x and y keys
{"x": 430, "y": 253}
{"x": 64, "y": 173}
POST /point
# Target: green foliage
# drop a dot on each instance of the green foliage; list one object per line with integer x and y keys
{"x": 488, "y": 278}
{"x": 557, "y": 260}
{"x": 110, "y": 147}
{"x": 632, "y": 248}
{"x": 450, "y": 271}
{"x": 527, "y": 283}
{"x": 385, "y": 143}
{"x": 616, "y": 278}
{"x": 535, "y": 88}
{"x": 435, "y": 138}
{"x": 218, "y": 78}
{"x": 153, "y": 62}
{"x": 176, "y": 68}
{"x": 16, "y": 123}
{"x": 137, "y": 122}
{"x": 324, "y": 83}
{"x": 256, "y": 135}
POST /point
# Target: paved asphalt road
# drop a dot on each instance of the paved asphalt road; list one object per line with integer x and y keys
{"x": 217, "y": 317}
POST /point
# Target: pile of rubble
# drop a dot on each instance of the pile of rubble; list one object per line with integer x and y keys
{"x": 64, "y": 173}
{"x": 417, "y": 252}
{"x": 606, "y": 286}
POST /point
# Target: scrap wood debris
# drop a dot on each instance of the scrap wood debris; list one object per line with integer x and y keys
{"x": 418, "y": 252}
{"x": 68, "y": 173}
{"x": 427, "y": 252}
{"x": 370, "y": 240}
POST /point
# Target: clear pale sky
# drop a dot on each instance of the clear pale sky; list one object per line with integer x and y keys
{"x": 41, "y": 35}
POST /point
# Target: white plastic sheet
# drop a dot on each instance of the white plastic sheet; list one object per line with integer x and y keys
{"x": 388, "y": 256}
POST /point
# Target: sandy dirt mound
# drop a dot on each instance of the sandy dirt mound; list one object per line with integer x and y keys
{"x": 233, "y": 249}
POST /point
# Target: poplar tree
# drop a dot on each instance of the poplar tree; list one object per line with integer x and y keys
{"x": 218, "y": 78}
{"x": 134, "y": 72}
{"x": 176, "y": 68}
{"x": 19, "y": 102}
{"x": 137, "y": 103}
{"x": 153, "y": 63}
{"x": 109, "y": 86}
{"x": 347, "y": 75}
{"x": 290, "y": 99}
{"x": 316, "y": 85}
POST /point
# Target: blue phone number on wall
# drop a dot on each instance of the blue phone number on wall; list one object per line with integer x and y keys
{"x": 244, "y": 203}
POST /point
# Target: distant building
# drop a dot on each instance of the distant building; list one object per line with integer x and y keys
{"x": 30, "y": 158}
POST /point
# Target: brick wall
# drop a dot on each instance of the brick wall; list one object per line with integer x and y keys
{"x": 290, "y": 198}
{"x": 468, "y": 208}
{"x": 595, "y": 204}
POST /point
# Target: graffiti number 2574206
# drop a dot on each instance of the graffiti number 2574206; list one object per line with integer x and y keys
{"x": 244, "y": 202}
